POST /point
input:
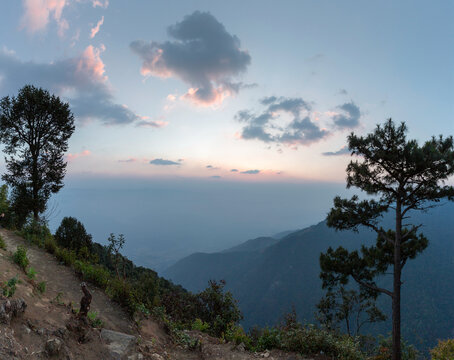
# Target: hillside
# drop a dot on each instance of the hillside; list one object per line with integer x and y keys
{"x": 47, "y": 324}
{"x": 268, "y": 282}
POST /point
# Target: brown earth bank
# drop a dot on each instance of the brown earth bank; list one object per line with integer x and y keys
{"x": 50, "y": 329}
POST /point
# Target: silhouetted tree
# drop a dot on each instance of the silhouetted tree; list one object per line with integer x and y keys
{"x": 349, "y": 306}
{"x": 35, "y": 128}
{"x": 114, "y": 247}
{"x": 402, "y": 177}
{"x": 71, "y": 234}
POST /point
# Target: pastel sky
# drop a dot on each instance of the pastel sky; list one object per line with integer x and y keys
{"x": 237, "y": 90}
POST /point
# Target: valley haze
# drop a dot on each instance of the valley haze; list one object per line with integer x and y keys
{"x": 165, "y": 220}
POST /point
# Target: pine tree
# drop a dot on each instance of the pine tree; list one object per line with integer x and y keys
{"x": 401, "y": 177}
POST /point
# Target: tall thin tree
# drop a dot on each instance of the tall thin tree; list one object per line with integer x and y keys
{"x": 401, "y": 177}
{"x": 35, "y": 127}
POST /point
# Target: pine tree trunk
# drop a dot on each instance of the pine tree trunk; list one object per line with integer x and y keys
{"x": 396, "y": 355}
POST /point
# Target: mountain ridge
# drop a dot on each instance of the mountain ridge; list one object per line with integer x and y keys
{"x": 268, "y": 282}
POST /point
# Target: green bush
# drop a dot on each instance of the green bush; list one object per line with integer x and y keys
{"x": 123, "y": 293}
{"x": 9, "y": 288}
{"x": 36, "y": 233}
{"x": 31, "y": 273}
{"x": 41, "y": 287}
{"x": 2, "y": 243}
{"x": 307, "y": 340}
{"x": 237, "y": 335}
{"x": 444, "y": 350}
{"x": 50, "y": 245}
{"x": 218, "y": 308}
{"x": 95, "y": 321}
{"x": 68, "y": 257}
{"x": 20, "y": 257}
{"x": 384, "y": 350}
{"x": 95, "y": 274}
{"x": 200, "y": 325}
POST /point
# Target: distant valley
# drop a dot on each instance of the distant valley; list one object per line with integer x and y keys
{"x": 270, "y": 275}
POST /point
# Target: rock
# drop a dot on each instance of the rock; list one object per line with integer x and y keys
{"x": 60, "y": 332}
{"x": 53, "y": 346}
{"x": 10, "y": 309}
{"x": 156, "y": 357}
{"x": 266, "y": 354}
{"x": 27, "y": 329}
{"x": 241, "y": 347}
{"x": 137, "y": 356}
{"x": 120, "y": 345}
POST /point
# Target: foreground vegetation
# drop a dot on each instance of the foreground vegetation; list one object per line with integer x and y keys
{"x": 214, "y": 311}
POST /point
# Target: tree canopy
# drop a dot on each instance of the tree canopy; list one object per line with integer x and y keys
{"x": 35, "y": 127}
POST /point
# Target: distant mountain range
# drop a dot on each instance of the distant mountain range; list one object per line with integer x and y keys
{"x": 269, "y": 275}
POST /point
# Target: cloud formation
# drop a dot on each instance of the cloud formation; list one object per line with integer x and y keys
{"x": 234, "y": 170}
{"x": 71, "y": 157}
{"x": 80, "y": 80}
{"x": 38, "y": 12}
{"x": 202, "y": 54}
{"x": 95, "y": 29}
{"x": 349, "y": 116}
{"x": 342, "y": 151}
{"x": 267, "y": 126}
{"x": 147, "y": 123}
{"x": 103, "y": 4}
{"x": 251, "y": 172}
{"x": 163, "y": 162}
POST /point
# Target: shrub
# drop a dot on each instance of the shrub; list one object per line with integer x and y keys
{"x": 384, "y": 350}
{"x": 307, "y": 340}
{"x": 36, "y": 233}
{"x": 237, "y": 335}
{"x": 68, "y": 257}
{"x": 218, "y": 308}
{"x": 41, "y": 287}
{"x": 71, "y": 234}
{"x": 123, "y": 293}
{"x": 95, "y": 274}
{"x": 95, "y": 321}
{"x": 9, "y": 288}
{"x": 2, "y": 243}
{"x": 20, "y": 257}
{"x": 50, "y": 245}
{"x": 31, "y": 273}
{"x": 200, "y": 325}
{"x": 444, "y": 350}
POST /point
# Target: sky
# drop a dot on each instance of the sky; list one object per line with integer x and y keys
{"x": 241, "y": 90}
{"x": 201, "y": 124}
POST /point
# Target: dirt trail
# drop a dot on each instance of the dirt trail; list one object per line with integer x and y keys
{"x": 62, "y": 279}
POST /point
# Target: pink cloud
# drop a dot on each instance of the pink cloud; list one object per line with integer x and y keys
{"x": 37, "y": 13}
{"x": 90, "y": 63}
{"x": 95, "y": 30}
{"x": 215, "y": 99}
{"x": 104, "y": 4}
{"x": 71, "y": 157}
{"x": 151, "y": 123}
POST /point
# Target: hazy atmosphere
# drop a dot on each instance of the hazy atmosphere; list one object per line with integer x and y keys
{"x": 227, "y": 179}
